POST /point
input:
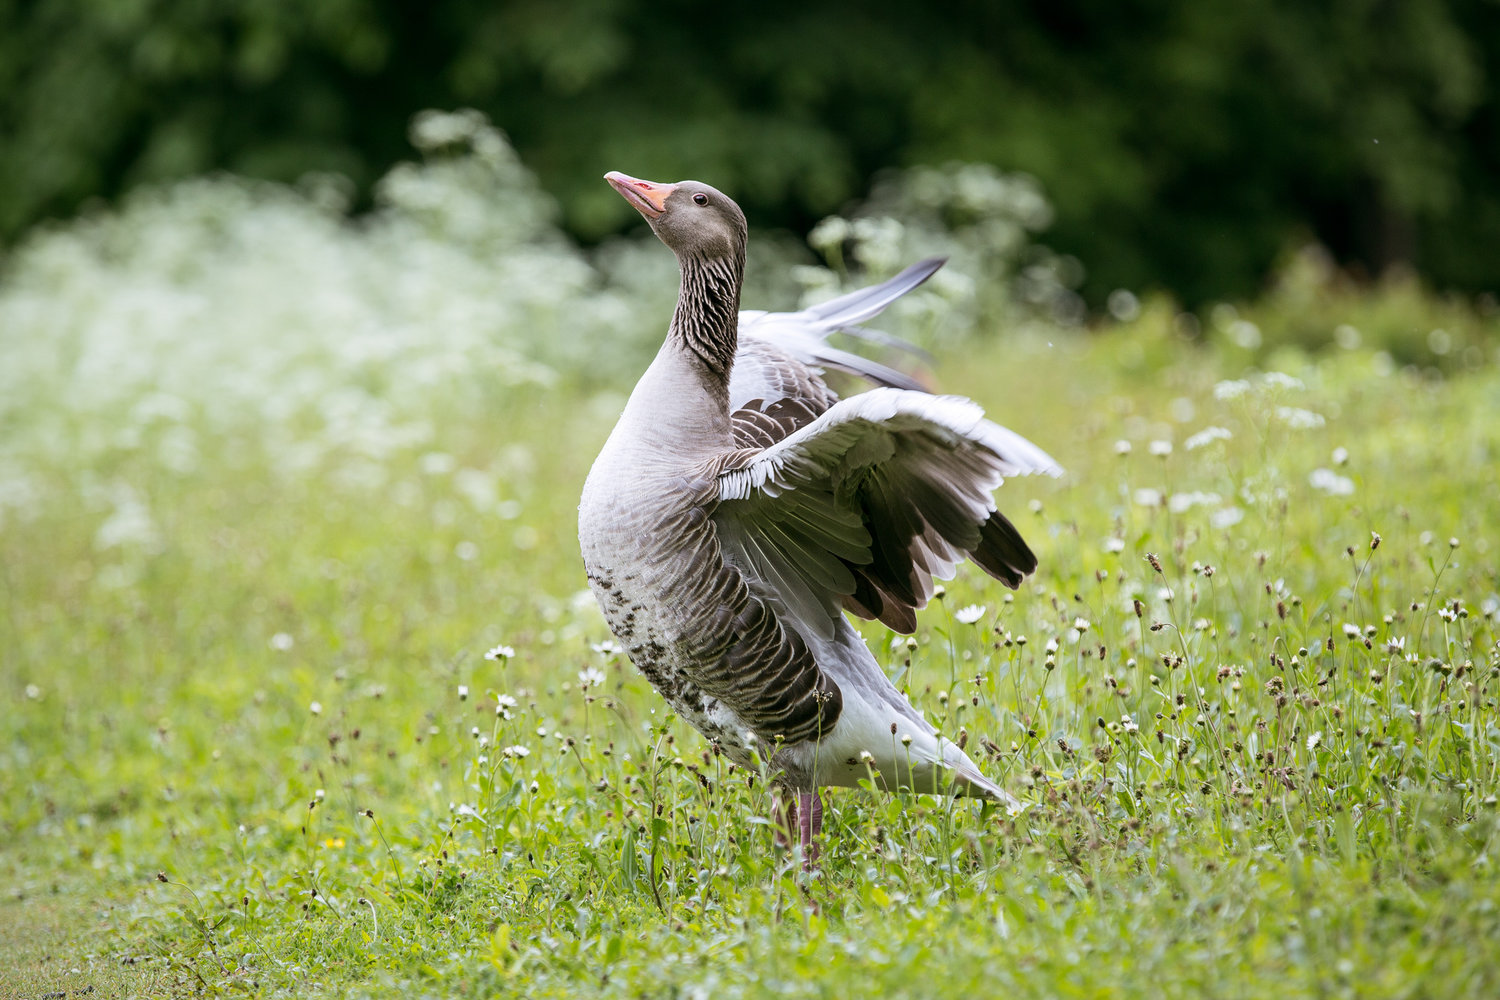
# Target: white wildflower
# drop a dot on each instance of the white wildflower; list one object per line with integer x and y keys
{"x": 130, "y": 524}
{"x": 282, "y": 641}
{"x": 1330, "y": 482}
{"x": 1180, "y": 502}
{"x": 516, "y": 750}
{"x": 606, "y": 648}
{"x": 1231, "y": 389}
{"x": 1148, "y": 497}
{"x": 1314, "y": 740}
{"x": 1352, "y": 630}
{"x": 1281, "y": 380}
{"x": 1122, "y": 447}
{"x": 969, "y": 614}
{"x": 829, "y": 234}
{"x": 500, "y": 653}
{"x": 316, "y": 708}
{"x": 1080, "y": 625}
{"x": 590, "y": 677}
{"x": 1114, "y": 545}
{"x": 1207, "y": 436}
{"x": 1245, "y": 334}
{"x": 1226, "y": 517}
{"x": 437, "y": 463}
{"x": 1160, "y": 448}
{"x": 1299, "y": 419}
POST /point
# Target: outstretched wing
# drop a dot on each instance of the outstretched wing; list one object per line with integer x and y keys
{"x": 782, "y": 353}
{"x": 866, "y": 504}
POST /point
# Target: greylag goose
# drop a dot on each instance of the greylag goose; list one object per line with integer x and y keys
{"x": 739, "y": 507}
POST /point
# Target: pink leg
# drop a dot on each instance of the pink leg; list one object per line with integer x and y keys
{"x": 784, "y": 820}
{"x": 809, "y": 813}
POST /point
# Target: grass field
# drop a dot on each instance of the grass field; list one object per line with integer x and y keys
{"x": 295, "y": 708}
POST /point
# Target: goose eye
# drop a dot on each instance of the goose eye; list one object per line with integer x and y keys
{"x": 700, "y": 199}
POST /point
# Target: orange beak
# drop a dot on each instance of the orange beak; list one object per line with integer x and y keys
{"x": 647, "y": 197}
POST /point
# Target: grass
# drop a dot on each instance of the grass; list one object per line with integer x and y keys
{"x": 1250, "y": 696}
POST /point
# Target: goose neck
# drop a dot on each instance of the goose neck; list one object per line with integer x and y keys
{"x": 706, "y": 321}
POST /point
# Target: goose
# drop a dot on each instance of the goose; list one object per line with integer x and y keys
{"x": 740, "y": 507}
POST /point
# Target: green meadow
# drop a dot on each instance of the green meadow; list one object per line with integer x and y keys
{"x": 304, "y": 695}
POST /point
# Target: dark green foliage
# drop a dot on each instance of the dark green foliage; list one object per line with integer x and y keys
{"x": 1185, "y": 145}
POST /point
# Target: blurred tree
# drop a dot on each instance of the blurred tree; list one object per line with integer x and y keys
{"x": 1185, "y": 145}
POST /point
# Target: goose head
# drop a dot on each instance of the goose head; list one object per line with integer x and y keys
{"x": 693, "y": 219}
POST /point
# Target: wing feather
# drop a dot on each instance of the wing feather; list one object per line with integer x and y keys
{"x": 863, "y": 506}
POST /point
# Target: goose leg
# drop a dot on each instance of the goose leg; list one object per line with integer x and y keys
{"x": 783, "y": 820}
{"x": 809, "y": 814}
